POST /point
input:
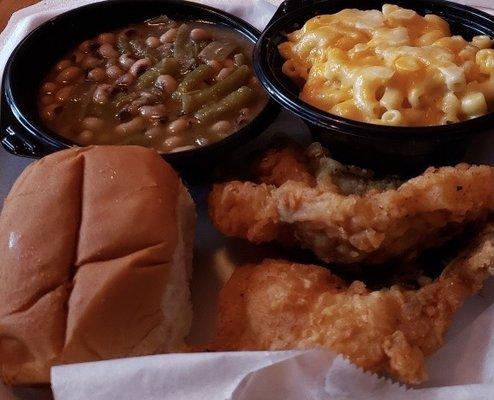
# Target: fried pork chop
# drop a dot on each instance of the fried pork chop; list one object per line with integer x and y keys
{"x": 342, "y": 213}
{"x": 279, "y": 305}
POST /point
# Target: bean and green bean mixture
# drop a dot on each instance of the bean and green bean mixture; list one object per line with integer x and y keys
{"x": 164, "y": 84}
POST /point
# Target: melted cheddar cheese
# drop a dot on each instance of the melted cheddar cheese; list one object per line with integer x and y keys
{"x": 393, "y": 67}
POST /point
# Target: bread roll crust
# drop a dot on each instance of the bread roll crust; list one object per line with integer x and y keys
{"x": 89, "y": 241}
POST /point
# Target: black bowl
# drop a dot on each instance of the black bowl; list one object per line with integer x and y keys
{"x": 21, "y": 128}
{"x": 404, "y": 150}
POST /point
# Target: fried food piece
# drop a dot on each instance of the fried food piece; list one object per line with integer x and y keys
{"x": 284, "y": 163}
{"x": 347, "y": 216}
{"x": 289, "y": 162}
{"x": 278, "y": 305}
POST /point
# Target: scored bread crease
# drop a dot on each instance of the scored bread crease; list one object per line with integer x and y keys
{"x": 150, "y": 266}
{"x": 72, "y": 266}
{"x": 94, "y": 353}
{"x": 152, "y": 251}
{"x": 37, "y": 263}
{"x": 38, "y": 296}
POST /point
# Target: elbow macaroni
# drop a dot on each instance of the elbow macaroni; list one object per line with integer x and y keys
{"x": 393, "y": 67}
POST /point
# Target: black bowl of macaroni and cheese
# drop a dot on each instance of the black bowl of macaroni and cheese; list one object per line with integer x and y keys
{"x": 394, "y": 87}
{"x": 171, "y": 75}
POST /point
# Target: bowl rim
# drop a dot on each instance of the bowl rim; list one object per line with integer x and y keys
{"x": 43, "y": 133}
{"x": 326, "y": 120}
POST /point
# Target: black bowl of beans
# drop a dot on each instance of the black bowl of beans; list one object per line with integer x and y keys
{"x": 171, "y": 75}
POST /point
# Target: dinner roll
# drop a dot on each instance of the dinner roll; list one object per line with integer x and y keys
{"x": 96, "y": 252}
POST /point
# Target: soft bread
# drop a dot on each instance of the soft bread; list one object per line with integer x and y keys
{"x": 96, "y": 251}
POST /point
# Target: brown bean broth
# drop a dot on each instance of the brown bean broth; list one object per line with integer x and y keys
{"x": 121, "y": 103}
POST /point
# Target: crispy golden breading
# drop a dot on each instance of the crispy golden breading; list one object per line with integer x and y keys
{"x": 347, "y": 217}
{"x": 278, "y": 305}
{"x": 284, "y": 163}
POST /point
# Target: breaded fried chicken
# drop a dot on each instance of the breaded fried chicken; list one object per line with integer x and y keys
{"x": 278, "y": 305}
{"x": 344, "y": 215}
{"x": 283, "y": 163}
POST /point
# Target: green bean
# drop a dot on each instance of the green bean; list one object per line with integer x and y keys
{"x": 123, "y": 44}
{"x": 167, "y": 66}
{"x": 193, "y": 79}
{"x": 162, "y": 20}
{"x": 183, "y": 49}
{"x": 139, "y": 48}
{"x": 119, "y": 99}
{"x": 239, "y": 59}
{"x": 217, "y": 50}
{"x": 164, "y": 51}
{"x": 147, "y": 79}
{"x": 195, "y": 100}
{"x": 123, "y": 98}
{"x": 231, "y": 103}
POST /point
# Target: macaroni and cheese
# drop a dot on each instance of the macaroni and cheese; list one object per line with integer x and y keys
{"x": 393, "y": 67}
